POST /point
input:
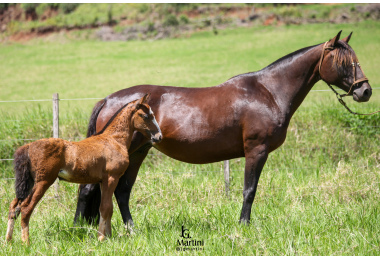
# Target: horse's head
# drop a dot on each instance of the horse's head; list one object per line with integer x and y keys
{"x": 144, "y": 121}
{"x": 339, "y": 66}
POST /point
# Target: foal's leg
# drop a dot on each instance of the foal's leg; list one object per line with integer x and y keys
{"x": 89, "y": 194}
{"x": 255, "y": 158}
{"x": 14, "y": 211}
{"x": 106, "y": 208}
{"x": 28, "y": 205}
{"x": 123, "y": 189}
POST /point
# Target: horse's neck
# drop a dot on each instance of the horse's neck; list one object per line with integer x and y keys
{"x": 291, "y": 79}
{"x": 121, "y": 129}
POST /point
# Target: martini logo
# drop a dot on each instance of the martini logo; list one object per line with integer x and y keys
{"x": 187, "y": 243}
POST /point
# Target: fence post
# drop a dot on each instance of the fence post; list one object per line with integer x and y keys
{"x": 56, "y": 130}
{"x": 227, "y": 176}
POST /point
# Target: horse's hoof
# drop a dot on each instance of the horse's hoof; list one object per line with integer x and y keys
{"x": 129, "y": 229}
{"x": 101, "y": 238}
{"x": 244, "y": 222}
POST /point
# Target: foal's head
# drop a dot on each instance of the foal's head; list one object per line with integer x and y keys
{"x": 144, "y": 121}
{"x": 340, "y": 66}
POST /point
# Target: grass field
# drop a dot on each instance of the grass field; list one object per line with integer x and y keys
{"x": 318, "y": 194}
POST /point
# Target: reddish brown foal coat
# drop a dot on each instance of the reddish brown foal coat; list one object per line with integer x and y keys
{"x": 102, "y": 158}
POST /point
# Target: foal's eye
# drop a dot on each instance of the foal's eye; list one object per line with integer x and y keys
{"x": 145, "y": 116}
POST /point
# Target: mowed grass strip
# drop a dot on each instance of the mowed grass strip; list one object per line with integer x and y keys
{"x": 318, "y": 193}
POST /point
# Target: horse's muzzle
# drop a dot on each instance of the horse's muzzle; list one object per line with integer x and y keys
{"x": 363, "y": 93}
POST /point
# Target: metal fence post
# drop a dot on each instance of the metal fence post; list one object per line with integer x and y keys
{"x": 227, "y": 176}
{"x": 56, "y": 130}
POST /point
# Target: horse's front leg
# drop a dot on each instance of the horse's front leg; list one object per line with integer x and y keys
{"x": 255, "y": 158}
{"x": 88, "y": 203}
{"x": 124, "y": 188}
{"x": 107, "y": 187}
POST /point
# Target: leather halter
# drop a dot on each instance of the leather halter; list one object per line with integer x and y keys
{"x": 356, "y": 81}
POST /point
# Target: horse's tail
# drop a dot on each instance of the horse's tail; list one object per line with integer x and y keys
{"x": 24, "y": 179}
{"x": 94, "y": 116}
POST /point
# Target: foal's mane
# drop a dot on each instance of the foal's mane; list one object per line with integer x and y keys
{"x": 112, "y": 118}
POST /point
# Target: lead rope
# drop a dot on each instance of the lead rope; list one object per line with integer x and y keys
{"x": 340, "y": 96}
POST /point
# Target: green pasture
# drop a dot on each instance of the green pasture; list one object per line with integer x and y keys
{"x": 318, "y": 195}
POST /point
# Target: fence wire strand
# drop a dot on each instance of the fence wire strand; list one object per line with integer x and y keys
{"x": 300, "y": 149}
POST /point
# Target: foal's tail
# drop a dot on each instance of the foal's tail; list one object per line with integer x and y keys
{"x": 94, "y": 116}
{"x": 24, "y": 180}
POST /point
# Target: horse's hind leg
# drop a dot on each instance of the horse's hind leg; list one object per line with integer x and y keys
{"x": 28, "y": 206}
{"x": 106, "y": 208}
{"x": 14, "y": 211}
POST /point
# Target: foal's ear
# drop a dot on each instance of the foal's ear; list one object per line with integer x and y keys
{"x": 335, "y": 40}
{"x": 146, "y": 98}
{"x": 142, "y": 100}
{"x": 347, "y": 38}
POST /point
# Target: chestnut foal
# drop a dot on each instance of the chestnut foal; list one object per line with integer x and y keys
{"x": 102, "y": 158}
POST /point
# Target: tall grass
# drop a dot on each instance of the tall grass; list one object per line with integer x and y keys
{"x": 318, "y": 194}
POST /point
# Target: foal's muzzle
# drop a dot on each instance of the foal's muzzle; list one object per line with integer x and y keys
{"x": 156, "y": 138}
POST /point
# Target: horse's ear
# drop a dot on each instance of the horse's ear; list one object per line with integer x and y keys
{"x": 347, "y": 38}
{"x": 335, "y": 40}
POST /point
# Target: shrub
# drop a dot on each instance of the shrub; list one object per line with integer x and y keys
{"x": 183, "y": 19}
{"x": 3, "y": 7}
{"x": 68, "y": 7}
{"x": 28, "y": 7}
{"x": 40, "y": 9}
{"x": 170, "y": 20}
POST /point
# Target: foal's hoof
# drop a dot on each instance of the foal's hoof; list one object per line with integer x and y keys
{"x": 101, "y": 238}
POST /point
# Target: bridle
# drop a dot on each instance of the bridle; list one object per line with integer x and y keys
{"x": 356, "y": 81}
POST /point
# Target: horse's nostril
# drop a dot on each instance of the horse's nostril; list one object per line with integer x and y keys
{"x": 367, "y": 93}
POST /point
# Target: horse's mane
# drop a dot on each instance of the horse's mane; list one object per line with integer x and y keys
{"x": 342, "y": 60}
{"x": 297, "y": 52}
{"x": 112, "y": 118}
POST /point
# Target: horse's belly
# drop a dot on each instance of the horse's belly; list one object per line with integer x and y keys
{"x": 202, "y": 151}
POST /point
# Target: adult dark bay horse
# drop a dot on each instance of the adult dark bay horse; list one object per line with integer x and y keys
{"x": 246, "y": 116}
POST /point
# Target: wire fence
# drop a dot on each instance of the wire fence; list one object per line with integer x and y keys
{"x": 55, "y": 119}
